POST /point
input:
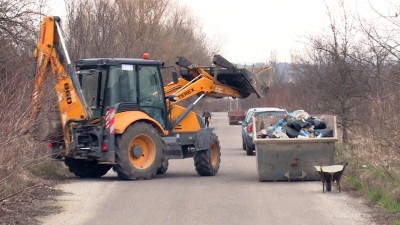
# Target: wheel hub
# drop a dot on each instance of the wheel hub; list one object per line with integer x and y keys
{"x": 137, "y": 151}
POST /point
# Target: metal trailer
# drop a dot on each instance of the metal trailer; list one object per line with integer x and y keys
{"x": 236, "y": 116}
{"x": 287, "y": 159}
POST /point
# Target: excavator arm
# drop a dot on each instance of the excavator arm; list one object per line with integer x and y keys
{"x": 54, "y": 61}
{"x": 48, "y": 53}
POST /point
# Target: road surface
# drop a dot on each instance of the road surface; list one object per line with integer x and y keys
{"x": 181, "y": 197}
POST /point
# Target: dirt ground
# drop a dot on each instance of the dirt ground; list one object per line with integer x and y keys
{"x": 41, "y": 200}
{"x": 25, "y": 207}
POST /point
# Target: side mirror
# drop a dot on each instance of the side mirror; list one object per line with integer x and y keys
{"x": 175, "y": 77}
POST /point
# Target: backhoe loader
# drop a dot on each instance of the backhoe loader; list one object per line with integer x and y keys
{"x": 116, "y": 112}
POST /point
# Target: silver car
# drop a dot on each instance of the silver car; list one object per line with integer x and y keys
{"x": 247, "y": 126}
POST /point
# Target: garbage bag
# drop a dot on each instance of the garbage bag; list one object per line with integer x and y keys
{"x": 319, "y": 124}
{"x": 292, "y": 133}
{"x": 294, "y": 125}
{"x": 323, "y": 132}
{"x": 299, "y": 124}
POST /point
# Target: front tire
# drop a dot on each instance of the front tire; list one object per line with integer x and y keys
{"x": 138, "y": 152}
{"x": 163, "y": 167}
{"x": 207, "y": 162}
{"x": 86, "y": 169}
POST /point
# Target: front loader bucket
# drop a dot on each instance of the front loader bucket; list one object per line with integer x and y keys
{"x": 240, "y": 79}
{"x": 228, "y": 74}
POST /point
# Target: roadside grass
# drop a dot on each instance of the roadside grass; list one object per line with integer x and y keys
{"x": 382, "y": 199}
{"x": 26, "y": 164}
{"x": 378, "y": 187}
{"x": 379, "y": 184}
{"x": 51, "y": 170}
{"x": 355, "y": 182}
{"x": 383, "y": 194}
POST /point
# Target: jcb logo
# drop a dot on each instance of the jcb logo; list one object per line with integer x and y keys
{"x": 68, "y": 93}
{"x": 186, "y": 93}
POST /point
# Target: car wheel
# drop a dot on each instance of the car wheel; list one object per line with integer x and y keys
{"x": 249, "y": 150}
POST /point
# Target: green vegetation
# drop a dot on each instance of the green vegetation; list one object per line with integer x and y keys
{"x": 378, "y": 188}
{"x": 51, "y": 170}
{"x": 354, "y": 181}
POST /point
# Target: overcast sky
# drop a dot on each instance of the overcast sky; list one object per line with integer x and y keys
{"x": 249, "y": 30}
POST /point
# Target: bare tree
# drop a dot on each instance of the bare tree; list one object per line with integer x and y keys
{"x": 18, "y": 20}
{"x": 130, "y": 28}
{"x": 379, "y": 57}
{"x": 330, "y": 73}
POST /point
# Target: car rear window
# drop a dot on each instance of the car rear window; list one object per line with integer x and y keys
{"x": 270, "y": 113}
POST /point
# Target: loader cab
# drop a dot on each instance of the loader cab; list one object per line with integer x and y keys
{"x": 125, "y": 84}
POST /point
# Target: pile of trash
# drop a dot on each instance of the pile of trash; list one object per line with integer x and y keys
{"x": 298, "y": 124}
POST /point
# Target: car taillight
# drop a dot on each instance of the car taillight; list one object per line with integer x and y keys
{"x": 250, "y": 128}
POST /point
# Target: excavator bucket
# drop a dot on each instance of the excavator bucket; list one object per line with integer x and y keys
{"x": 225, "y": 73}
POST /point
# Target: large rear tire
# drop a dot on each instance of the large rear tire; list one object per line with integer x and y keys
{"x": 86, "y": 169}
{"x": 138, "y": 152}
{"x": 207, "y": 161}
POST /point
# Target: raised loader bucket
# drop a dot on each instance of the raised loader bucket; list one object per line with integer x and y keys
{"x": 228, "y": 74}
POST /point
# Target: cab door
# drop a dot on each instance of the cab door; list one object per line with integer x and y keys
{"x": 151, "y": 93}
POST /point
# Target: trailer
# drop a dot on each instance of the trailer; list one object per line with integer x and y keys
{"x": 287, "y": 159}
{"x": 236, "y": 116}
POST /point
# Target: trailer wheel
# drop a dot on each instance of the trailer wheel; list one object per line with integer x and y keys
{"x": 328, "y": 185}
{"x": 138, "y": 152}
{"x": 207, "y": 161}
{"x": 86, "y": 169}
{"x": 163, "y": 167}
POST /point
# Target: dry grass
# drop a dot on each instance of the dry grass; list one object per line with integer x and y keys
{"x": 20, "y": 154}
{"x": 373, "y": 171}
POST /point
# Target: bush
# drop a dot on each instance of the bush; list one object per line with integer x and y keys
{"x": 51, "y": 170}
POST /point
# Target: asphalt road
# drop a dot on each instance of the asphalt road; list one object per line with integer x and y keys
{"x": 233, "y": 196}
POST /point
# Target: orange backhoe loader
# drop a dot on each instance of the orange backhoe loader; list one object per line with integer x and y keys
{"x": 116, "y": 112}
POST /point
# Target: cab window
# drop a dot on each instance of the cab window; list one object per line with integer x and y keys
{"x": 151, "y": 98}
{"x": 121, "y": 85}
